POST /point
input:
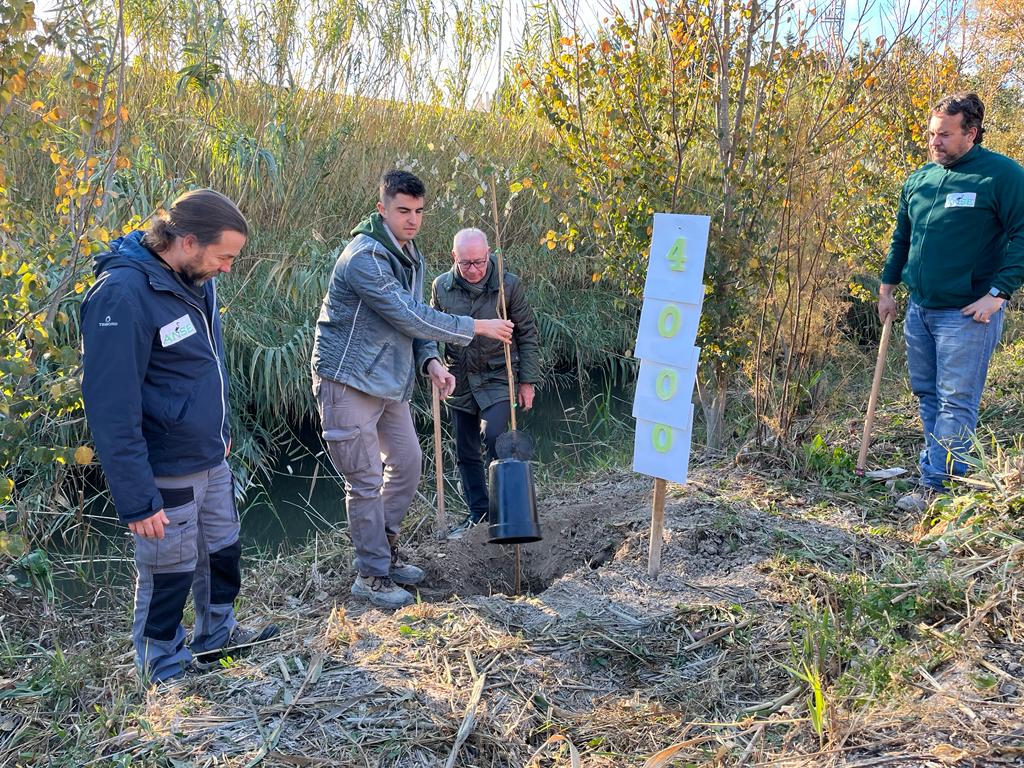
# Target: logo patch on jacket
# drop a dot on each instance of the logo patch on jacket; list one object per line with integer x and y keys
{"x": 177, "y": 330}
{"x": 961, "y": 199}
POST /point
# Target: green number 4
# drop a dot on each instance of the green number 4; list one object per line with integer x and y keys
{"x": 677, "y": 255}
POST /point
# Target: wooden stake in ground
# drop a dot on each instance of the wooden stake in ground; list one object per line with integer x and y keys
{"x": 442, "y": 522}
{"x": 508, "y": 347}
{"x": 657, "y": 529}
{"x": 869, "y": 418}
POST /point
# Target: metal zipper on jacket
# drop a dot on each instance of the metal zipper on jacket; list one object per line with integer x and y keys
{"x": 383, "y": 349}
{"x": 213, "y": 349}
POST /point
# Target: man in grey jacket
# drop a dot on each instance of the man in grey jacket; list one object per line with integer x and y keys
{"x": 373, "y": 334}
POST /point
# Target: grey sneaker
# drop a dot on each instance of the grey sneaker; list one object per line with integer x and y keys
{"x": 916, "y": 501}
{"x": 460, "y": 530}
{"x": 381, "y": 591}
{"x": 402, "y": 572}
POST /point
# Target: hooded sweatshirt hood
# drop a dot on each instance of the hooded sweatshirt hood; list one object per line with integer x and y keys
{"x": 373, "y": 226}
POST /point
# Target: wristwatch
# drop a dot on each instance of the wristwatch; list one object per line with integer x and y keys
{"x": 993, "y": 291}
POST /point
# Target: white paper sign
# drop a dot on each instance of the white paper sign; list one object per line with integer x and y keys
{"x": 675, "y": 271}
{"x": 664, "y": 392}
{"x": 667, "y": 331}
{"x": 661, "y": 450}
{"x": 673, "y": 297}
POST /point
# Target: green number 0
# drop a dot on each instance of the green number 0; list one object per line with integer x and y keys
{"x": 661, "y": 438}
{"x": 670, "y": 320}
{"x": 666, "y": 384}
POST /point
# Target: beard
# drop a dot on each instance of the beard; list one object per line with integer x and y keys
{"x": 194, "y": 276}
{"x": 194, "y": 273}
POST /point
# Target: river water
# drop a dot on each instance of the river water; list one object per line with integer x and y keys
{"x": 569, "y": 424}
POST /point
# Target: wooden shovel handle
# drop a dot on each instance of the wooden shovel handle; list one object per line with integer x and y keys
{"x": 438, "y": 459}
{"x": 869, "y": 418}
{"x": 504, "y": 305}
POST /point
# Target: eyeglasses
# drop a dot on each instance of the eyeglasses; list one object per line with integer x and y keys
{"x": 472, "y": 264}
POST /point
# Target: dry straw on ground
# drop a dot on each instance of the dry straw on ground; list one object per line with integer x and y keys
{"x": 599, "y": 667}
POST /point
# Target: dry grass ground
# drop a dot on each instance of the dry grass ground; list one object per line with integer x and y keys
{"x": 798, "y": 620}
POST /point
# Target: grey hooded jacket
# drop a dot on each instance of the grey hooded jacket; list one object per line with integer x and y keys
{"x": 374, "y": 330}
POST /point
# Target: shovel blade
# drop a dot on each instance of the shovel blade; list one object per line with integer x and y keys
{"x": 514, "y": 445}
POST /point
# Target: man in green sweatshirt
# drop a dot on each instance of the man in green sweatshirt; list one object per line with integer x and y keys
{"x": 959, "y": 247}
{"x": 373, "y": 335}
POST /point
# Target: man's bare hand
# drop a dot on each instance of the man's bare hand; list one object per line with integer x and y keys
{"x": 886, "y": 303}
{"x": 494, "y": 329}
{"x": 151, "y": 527}
{"x": 526, "y": 393}
{"x": 442, "y": 377}
{"x": 983, "y": 309}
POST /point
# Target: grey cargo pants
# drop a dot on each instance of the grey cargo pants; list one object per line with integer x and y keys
{"x": 372, "y": 442}
{"x": 200, "y": 552}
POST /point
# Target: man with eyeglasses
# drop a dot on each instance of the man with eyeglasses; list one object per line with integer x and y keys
{"x": 480, "y": 404}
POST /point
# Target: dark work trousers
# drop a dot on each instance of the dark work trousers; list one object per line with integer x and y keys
{"x": 199, "y": 553}
{"x": 475, "y": 434}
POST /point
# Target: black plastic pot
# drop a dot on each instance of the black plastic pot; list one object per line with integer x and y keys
{"x": 512, "y": 515}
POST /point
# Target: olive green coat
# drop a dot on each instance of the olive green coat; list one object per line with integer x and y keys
{"x": 479, "y": 368}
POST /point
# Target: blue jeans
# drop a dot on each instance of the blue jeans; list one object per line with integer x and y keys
{"x": 475, "y": 436}
{"x": 948, "y": 356}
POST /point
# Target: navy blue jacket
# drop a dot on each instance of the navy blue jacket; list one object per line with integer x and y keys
{"x": 154, "y": 382}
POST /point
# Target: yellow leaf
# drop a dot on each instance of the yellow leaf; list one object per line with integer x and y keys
{"x": 123, "y": 112}
{"x": 83, "y": 454}
{"x": 595, "y": 277}
{"x": 17, "y": 83}
{"x": 36, "y": 106}
{"x": 551, "y": 245}
{"x": 79, "y": 287}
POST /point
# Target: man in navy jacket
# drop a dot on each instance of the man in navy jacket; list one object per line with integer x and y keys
{"x": 156, "y": 398}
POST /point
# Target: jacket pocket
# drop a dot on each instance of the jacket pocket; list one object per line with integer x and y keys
{"x": 497, "y": 362}
{"x": 177, "y": 550}
{"x": 347, "y": 448}
{"x": 380, "y": 354}
{"x": 168, "y": 408}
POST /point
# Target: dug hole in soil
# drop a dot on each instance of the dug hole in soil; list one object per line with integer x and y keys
{"x": 578, "y": 533}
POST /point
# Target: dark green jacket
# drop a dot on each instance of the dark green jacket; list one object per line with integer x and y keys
{"x": 479, "y": 368}
{"x": 959, "y": 231}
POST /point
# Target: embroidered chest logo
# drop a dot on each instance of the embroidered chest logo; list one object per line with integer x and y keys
{"x": 177, "y": 330}
{"x": 108, "y": 323}
{"x": 961, "y": 199}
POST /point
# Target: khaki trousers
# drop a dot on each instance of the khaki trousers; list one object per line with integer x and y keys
{"x": 373, "y": 444}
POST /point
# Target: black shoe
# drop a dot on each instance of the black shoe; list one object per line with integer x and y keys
{"x": 240, "y": 642}
{"x": 460, "y": 530}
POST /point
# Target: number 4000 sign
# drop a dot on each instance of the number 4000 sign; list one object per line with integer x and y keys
{"x": 665, "y": 345}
